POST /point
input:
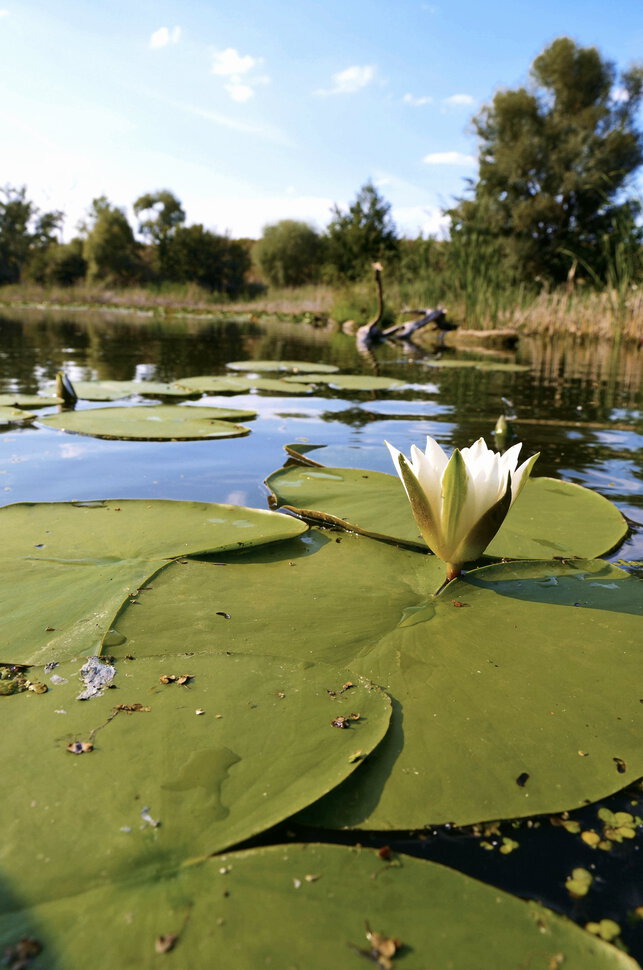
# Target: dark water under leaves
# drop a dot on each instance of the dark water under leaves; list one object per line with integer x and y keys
{"x": 578, "y": 404}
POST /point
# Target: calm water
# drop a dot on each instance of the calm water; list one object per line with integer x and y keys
{"x": 579, "y": 405}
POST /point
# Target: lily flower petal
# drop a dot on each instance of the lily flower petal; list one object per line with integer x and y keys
{"x": 459, "y": 503}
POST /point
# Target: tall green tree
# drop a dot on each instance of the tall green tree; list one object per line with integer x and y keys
{"x": 362, "y": 235}
{"x": 159, "y": 214}
{"x": 25, "y": 232}
{"x": 217, "y": 263}
{"x": 289, "y": 253}
{"x": 555, "y": 162}
{"x": 110, "y": 250}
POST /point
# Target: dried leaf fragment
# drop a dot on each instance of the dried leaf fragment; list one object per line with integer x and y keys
{"x": 131, "y": 708}
{"x": 165, "y": 942}
{"x": 19, "y": 955}
{"x": 80, "y": 747}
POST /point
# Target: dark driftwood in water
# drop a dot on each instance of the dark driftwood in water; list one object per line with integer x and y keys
{"x": 437, "y": 316}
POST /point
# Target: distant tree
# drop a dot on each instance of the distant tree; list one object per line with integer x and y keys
{"x": 289, "y": 253}
{"x": 25, "y": 232}
{"x": 159, "y": 213}
{"x": 362, "y": 235}
{"x": 196, "y": 255}
{"x": 111, "y": 252}
{"x": 554, "y": 161}
{"x": 61, "y": 265}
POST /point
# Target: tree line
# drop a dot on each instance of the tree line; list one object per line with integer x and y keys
{"x": 553, "y": 202}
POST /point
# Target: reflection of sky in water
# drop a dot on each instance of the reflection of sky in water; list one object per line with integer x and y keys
{"x": 563, "y": 418}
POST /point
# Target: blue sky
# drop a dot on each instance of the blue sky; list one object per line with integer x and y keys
{"x": 252, "y": 111}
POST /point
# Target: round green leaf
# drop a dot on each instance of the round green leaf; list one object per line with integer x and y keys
{"x": 289, "y": 366}
{"x": 348, "y": 382}
{"x": 146, "y": 389}
{"x": 65, "y": 568}
{"x": 11, "y": 415}
{"x": 176, "y": 771}
{"x": 306, "y": 906}
{"x": 488, "y": 365}
{"x": 550, "y": 518}
{"x": 161, "y": 422}
{"x": 239, "y": 385}
{"x": 27, "y": 401}
{"x": 519, "y": 695}
{"x": 510, "y": 672}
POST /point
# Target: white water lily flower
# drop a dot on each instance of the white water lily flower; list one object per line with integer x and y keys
{"x": 459, "y": 503}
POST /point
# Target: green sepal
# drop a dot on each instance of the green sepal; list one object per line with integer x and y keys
{"x": 420, "y": 506}
{"x": 454, "y": 495}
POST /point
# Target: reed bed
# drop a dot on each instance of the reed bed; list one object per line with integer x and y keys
{"x": 582, "y": 312}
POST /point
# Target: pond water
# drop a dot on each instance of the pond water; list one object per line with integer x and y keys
{"x": 579, "y": 405}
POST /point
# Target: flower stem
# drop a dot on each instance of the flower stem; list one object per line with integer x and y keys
{"x": 453, "y": 570}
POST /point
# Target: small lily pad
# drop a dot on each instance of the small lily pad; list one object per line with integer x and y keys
{"x": 240, "y": 385}
{"x": 161, "y": 422}
{"x": 348, "y": 382}
{"x": 10, "y": 415}
{"x": 282, "y": 366}
{"x": 27, "y": 401}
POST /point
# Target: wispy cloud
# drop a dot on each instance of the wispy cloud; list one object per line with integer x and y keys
{"x": 417, "y": 102}
{"x": 4, "y": 13}
{"x": 165, "y": 36}
{"x": 264, "y": 131}
{"x": 237, "y": 70}
{"x": 458, "y": 100}
{"x": 350, "y": 80}
{"x": 448, "y": 158}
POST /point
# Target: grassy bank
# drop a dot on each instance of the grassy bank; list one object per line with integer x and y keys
{"x": 581, "y": 312}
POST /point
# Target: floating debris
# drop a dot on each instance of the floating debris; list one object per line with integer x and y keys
{"x": 96, "y": 676}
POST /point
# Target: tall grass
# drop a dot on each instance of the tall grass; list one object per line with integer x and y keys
{"x": 475, "y": 295}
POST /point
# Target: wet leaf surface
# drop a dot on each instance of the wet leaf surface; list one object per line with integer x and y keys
{"x": 549, "y": 518}
{"x": 452, "y": 753}
{"x": 161, "y": 422}
{"x": 65, "y": 568}
{"x": 259, "y": 909}
{"x": 154, "y": 786}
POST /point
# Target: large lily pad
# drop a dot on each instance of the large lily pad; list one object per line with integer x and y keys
{"x": 306, "y": 906}
{"x": 282, "y": 366}
{"x": 549, "y": 519}
{"x": 65, "y": 568}
{"x": 161, "y": 422}
{"x": 177, "y": 770}
{"x": 515, "y": 691}
{"x": 348, "y": 382}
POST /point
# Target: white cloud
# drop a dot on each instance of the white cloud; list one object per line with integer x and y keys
{"x": 417, "y": 102}
{"x": 4, "y": 13}
{"x": 230, "y": 63}
{"x": 449, "y": 158}
{"x": 247, "y": 215}
{"x": 236, "y": 68}
{"x": 164, "y": 36}
{"x": 459, "y": 99}
{"x": 411, "y": 220}
{"x": 239, "y": 92}
{"x": 620, "y": 94}
{"x": 351, "y": 79}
